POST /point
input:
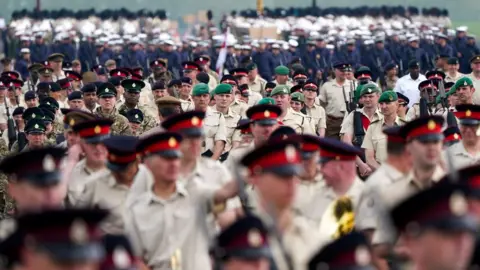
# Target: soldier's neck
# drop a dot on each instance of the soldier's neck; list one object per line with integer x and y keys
{"x": 222, "y": 110}
{"x": 94, "y": 165}
{"x": 131, "y": 105}
{"x": 339, "y": 81}
{"x": 184, "y": 97}
{"x": 309, "y": 102}
{"x": 472, "y": 147}
{"x": 369, "y": 111}
{"x": 424, "y": 175}
{"x": 389, "y": 120}
{"x": 476, "y": 74}
{"x": 342, "y": 186}
{"x": 188, "y": 164}
{"x": 399, "y": 162}
{"x": 164, "y": 189}
{"x": 107, "y": 111}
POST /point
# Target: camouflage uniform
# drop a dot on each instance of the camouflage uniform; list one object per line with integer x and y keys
{"x": 149, "y": 121}
{"x": 120, "y": 125}
{"x": 58, "y": 127}
{"x": 6, "y": 202}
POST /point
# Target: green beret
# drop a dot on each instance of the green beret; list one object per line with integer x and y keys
{"x": 369, "y": 88}
{"x": 280, "y": 89}
{"x": 282, "y": 70}
{"x": 251, "y": 66}
{"x": 223, "y": 88}
{"x": 266, "y": 100}
{"x": 388, "y": 96}
{"x": 134, "y": 86}
{"x": 465, "y": 81}
{"x": 297, "y": 96}
{"x": 200, "y": 89}
{"x": 451, "y": 91}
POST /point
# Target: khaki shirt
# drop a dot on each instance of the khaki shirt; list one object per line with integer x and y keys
{"x": 232, "y": 134}
{"x": 236, "y": 155}
{"x": 215, "y": 129}
{"x": 239, "y": 107}
{"x": 385, "y": 175}
{"x": 80, "y": 176}
{"x": 298, "y": 121}
{"x": 455, "y": 78}
{"x": 391, "y": 195}
{"x": 160, "y": 229}
{"x": 289, "y": 84}
{"x": 258, "y": 85}
{"x": 347, "y": 124}
{"x": 332, "y": 95}
{"x": 376, "y": 140}
{"x": 187, "y": 105}
{"x": 460, "y": 157}
{"x": 318, "y": 118}
{"x": 104, "y": 192}
{"x": 306, "y": 191}
{"x": 254, "y": 98}
{"x": 476, "y": 85}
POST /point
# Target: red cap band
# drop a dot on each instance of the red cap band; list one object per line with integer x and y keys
{"x": 95, "y": 131}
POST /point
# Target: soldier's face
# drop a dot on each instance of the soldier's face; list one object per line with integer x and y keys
{"x": 475, "y": 66}
{"x": 282, "y": 100}
{"x": 262, "y": 133}
{"x": 310, "y": 93}
{"x": 107, "y": 103}
{"x": 223, "y": 100}
{"x": 389, "y": 108}
{"x": 442, "y": 250}
{"x": 469, "y": 134}
{"x": 3, "y": 93}
{"x": 453, "y": 68}
{"x": 281, "y": 79}
{"x": 131, "y": 97}
{"x": 201, "y": 102}
{"x": 159, "y": 93}
{"x": 296, "y": 105}
{"x": 72, "y": 138}
{"x": 259, "y": 264}
{"x": 186, "y": 89}
{"x": 76, "y": 104}
{"x": 334, "y": 172}
{"x": 191, "y": 147}
{"x": 242, "y": 80}
{"x": 278, "y": 190}
{"x": 96, "y": 153}
{"x": 310, "y": 166}
{"x": 29, "y": 197}
{"x": 90, "y": 99}
{"x": 163, "y": 169}
{"x": 464, "y": 94}
{"x": 36, "y": 139}
{"x": 426, "y": 155}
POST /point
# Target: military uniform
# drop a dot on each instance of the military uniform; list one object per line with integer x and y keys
{"x": 332, "y": 95}
{"x": 318, "y": 117}
{"x": 236, "y": 154}
{"x": 239, "y": 107}
{"x": 258, "y": 85}
{"x": 476, "y": 85}
{"x": 6, "y": 202}
{"x": 347, "y": 124}
{"x": 298, "y": 121}
{"x": 120, "y": 123}
{"x": 215, "y": 129}
{"x": 148, "y": 122}
{"x": 385, "y": 175}
{"x": 232, "y": 134}
{"x": 80, "y": 176}
{"x": 376, "y": 140}
{"x": 449, "y": 78}
{"x": 187, "y": 105}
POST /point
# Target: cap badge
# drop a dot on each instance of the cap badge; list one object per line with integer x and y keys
{"x": 290, "y": 153}
{"x": 468, "y": 113}
{"x": 133, "y": 85}
{"x": 107, "y": 90}
{"x": 33, "y": 115}
{"x": 195, "y": 121}
{"x": 72, "y": 122}
{"x": 266, "y": 113}
{"x": 369, "y": 90}
{"x": 254, "y": 238}
{"x": 119, "y": 73}
{"x": 136, "y": 116}
{"x": 431, "y": 125}
{"x": 156, "y": 62}
{"x": 455, "y": 136}
{"x": 37, "y": 126}
{"x": 47, "y": 71}
{"x": 121, "y": 259}
{"x": 458, "y": 204}
{"x": 48, "y": 163}
{"x": 79, "y": 232}
{"x": 172, "y": 142}
{"x": 390, "y": 98}
{"x": 97, "y": 130}
{"x": 362, "y": 256}
{"x": 465, "y": 83}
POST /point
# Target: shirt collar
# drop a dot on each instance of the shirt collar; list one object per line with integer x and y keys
{"x": 180, "y": 191}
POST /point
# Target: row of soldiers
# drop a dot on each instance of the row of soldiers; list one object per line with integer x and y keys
{"x": 283, "y": 201}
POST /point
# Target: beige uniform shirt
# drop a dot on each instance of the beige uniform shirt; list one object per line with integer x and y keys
{"x": 376, "y": 140}
{"x": 318, "y": 118}
{"x": 187, "y": 105}
{"x": 258, "y": 85}
{"x": 104, "y": 192}
{"x": 254, "y": 98}
{"x": 215, "y": 129}
{"x": 455, "y": 78}
{"x": 391, "y": 195}
{"x": 236, "y": 155}
{"x": 298, "y": 121}
{"x": 306, "y": 191}
{"x": 332, "y": 94}
{"x": 476, "y": 85}
{"x": 347, "y": 124}
{"x": 160, "y": 229}
{"x": 80, "y": 176}
{"x": 460, "y": 157}
{"x": 363, "y": 204}
{"x": 383, "y": 176}
{"x": 232, "y": 134}
{"x": 239, "y": 107}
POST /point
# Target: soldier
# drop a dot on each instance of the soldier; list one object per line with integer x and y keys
{"x": 69, "y": 138}
{"x": 391, "y": 78}
{"x": 90, "y": 97}
{"x": 452, "y": 74}
{"x": 264, "y": 120}
{"x": 255, "y": 82}
{"x": 238, "y": 106}
{"x": 246, "y": 137}
{"x": 35, "y": 130}
{"x": 466, "y": 153}
{"x": 48, "y": 119}
{"x": 135, "y": 118}
{"x": 333, "y": 97}
{"x": 159, "y": 72}
{"x": 315, "y": 111}
{"x": 223, "y": 96}
{"x": 363, "y": 75}
{"x": 475, "y": 76}
{"x": 297, "y": 102}
{"x": 268, "y": 88}
{"x": 31, "y": 99}
{"x": 107, "y": 93}
{"x": 75, "y": 79}
{"x": 215, "y": 129}
{"x": 75, "y": 100}
{"x": 204, "y": 62}
{"x": 241, "y": 76}
{"x": 453, "y": 227}
{"x": 34, "y": 187}
{"x": 190, "y": 70}
{"x": 118, "y": 253}
{"x": 184, "y": 244}
{"x": 402, "y": 106}
{"x": 451, "y": 136}
{"x": 299, "y": 122}
{"x": 375, "y": 142}
{"x": 109, "y": 189}
{"x": 75, "y": 244}
{"x": 351, "y": 251}
{"x": 116, "y": 81}
{"x": 408, "y": 84}
{"x": 233, "y": 252}
{"x": 281, "y": 76}
{"x": 275, "y": 204}
{"x": 91, "y": 133}
{"x": 52, "y": 105}
{"x": 65, "y": 90}
{"x": 464, "y": 91}
{"x": 19, "y": 128}
{"x": 132, "y": 94}
{"x": 427, "y": 91}
{"x": 55, "y": 61}
{"x": 184, "y": 94}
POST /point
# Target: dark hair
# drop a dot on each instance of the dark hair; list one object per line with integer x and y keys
{"x": 168, "y": 111}
{"x": 395, "y": 148}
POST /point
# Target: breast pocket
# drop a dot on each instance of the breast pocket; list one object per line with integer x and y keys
{"x": 230, "y": 130}
{"x": 380, "y": 147}
{"x": 151, "y": 231}
{"x": 211, "y": 126}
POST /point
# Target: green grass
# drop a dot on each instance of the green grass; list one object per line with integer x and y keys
{"x": 473, "y": 26}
